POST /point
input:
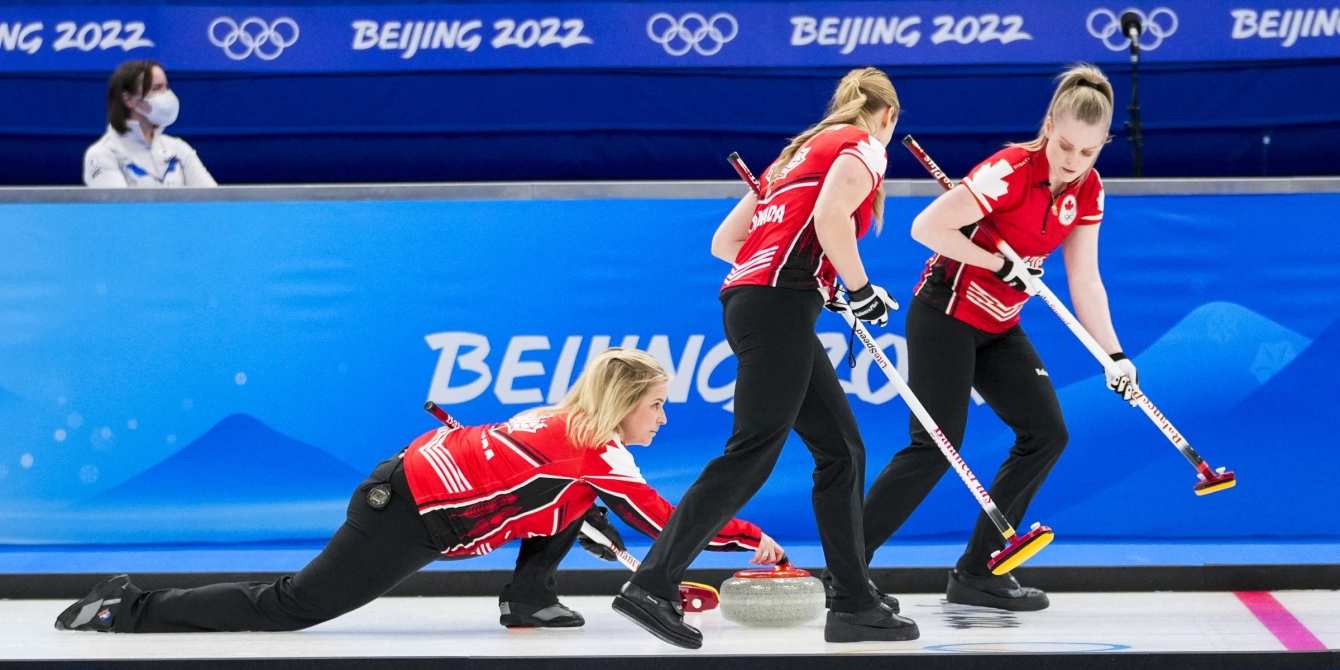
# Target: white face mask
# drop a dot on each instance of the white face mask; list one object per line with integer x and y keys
{"x": 163, "y": 109}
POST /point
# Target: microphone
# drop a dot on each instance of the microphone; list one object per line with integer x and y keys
{"x": 1131, "y": 27}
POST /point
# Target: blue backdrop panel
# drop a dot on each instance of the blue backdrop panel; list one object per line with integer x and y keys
{"x": 1207, "y": 120}
{"x": 228, "y": 371}
{"x": 496, "y": 36}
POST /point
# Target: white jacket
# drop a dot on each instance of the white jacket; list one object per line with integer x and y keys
{"x": 126, "y": 160}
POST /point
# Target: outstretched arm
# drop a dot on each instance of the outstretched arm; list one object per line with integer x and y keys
{"x": 642, "y": 508}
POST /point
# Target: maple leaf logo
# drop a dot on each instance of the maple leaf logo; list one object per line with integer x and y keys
{"x": 800, "y": 158}
{"x": 988, "y": 181}
{"x": 525, "y": 423}
{"x": 1069, "y": 210}
{"x": 1102, "y": 199}
{"x": 872, "y": 153}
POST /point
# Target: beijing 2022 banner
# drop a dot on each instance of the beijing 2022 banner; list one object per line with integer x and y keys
{"x": 225, "y": 372}
{"x": 659, "y": 35}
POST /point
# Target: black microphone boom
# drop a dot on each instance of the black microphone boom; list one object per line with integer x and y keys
{"x": 1130, "y": 21}
{"x": 1131, "y": 27}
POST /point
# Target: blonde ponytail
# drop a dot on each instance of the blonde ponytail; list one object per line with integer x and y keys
{"x": 1082, "y": 93}
{"x": 861, "y": 93}
{"x": 605, "y": 393}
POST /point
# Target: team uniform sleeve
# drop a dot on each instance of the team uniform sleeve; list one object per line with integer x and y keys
{"x": 995, "y": 185}
{"x": 870, "y": 151}
{"x": 1092, "y": 207}
{"x": 194, "y": 169}
{"x": 620, "y": 485}
{"x": 101, "y": 169}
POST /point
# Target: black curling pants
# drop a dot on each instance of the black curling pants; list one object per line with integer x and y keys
{"x": 785, "y": 382}
{"x": 947, "y": 358}
{"x": 371, "y": 553}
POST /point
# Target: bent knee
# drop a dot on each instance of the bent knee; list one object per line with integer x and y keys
{"x": 1049, "y": 437}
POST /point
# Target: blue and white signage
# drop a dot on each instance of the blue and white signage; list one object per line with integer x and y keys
{"x": 224, "y": 372}
{"x": 764, "y": 34}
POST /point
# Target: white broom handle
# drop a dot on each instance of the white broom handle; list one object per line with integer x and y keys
{"x": 599, "y": 537}
{"x": 1109, "y": 365}
{"x": 960, "y": 467}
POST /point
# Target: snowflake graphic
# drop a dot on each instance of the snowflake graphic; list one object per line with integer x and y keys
{"x": 1271, "y": 358}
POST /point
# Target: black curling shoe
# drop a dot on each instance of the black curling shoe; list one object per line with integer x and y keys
{"x": 97, "y": 610}
{"x": 877, "y": 624}
{"x": 658, "y": 616}
{"x": 525, "y": 615}
{"x": 885, "y": 598}
{"x": 999, "y": 591}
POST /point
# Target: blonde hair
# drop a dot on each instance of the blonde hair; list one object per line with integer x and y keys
{"x": 861, "y": 93}
{"x": 605, "y": 393}
{"x": 1083, "y": 93}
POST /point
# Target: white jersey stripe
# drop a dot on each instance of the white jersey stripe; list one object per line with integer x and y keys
{"x": 445, "y": 469}
{"x": 455, "y": 469}
{"x": 789, "y": 187}
{"x": 990, "y": 304}
{"x": 483, "y": 539}
{"x": 759, "y": 260}
{"x": 732, "y": 278}
{"x": 514, "y": 448}
{"x": 428, "y": 452}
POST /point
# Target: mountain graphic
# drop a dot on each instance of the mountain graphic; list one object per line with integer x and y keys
{"x": 238, "y": 461}
{"x": 1212, "y": 360}
{"x": 1279, "y": 440}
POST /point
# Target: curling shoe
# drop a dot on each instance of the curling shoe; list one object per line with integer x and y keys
{"x": 885, "y": 598}
{"x": 658, "y": 616}
{"x": 998, "y": 591}
{"x": 525, "y": 615}
{"x": 97, "y": 610}
{"x": 877, "y": 624}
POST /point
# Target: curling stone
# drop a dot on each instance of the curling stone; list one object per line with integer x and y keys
{"x": 773, "y": 598}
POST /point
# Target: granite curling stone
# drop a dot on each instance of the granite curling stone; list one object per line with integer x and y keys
{"x": 773, "y": 598}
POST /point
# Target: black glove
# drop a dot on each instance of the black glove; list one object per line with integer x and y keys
{"x": 871, "y": 304}
{"x": 1020, "y": 277}
{"x": 596, "y": 517}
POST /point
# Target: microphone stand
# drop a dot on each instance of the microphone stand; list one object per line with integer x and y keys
{"x": 1133, "y": 134}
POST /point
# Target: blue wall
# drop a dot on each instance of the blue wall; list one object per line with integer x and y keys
{"x": 229, "y": 371}
{"x": 1199, "y": 120}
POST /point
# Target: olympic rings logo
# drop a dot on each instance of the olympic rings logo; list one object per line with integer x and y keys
{"x": 1153, "y": 27}
{"x": 254, "y": 36}
{"x": 692, "y": 31}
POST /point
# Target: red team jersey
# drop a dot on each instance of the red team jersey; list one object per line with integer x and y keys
{"x": 480, "y": 487}
{"x": 1014, "y": 194}
{"x": 782, "y": 248}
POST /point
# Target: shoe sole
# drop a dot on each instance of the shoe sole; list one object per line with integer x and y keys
{"x": 839, "y": 631}
{"x": 887, "y": 600}
{"x": 517, "y": 622}
{"x": 94, "y": 600}
{"x": 959, "y": 594}
{"x": 636, "y": 615}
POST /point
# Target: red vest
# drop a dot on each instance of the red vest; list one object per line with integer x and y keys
{"x": 782, "y": 248}
{"x": 480, "y": 487}
{"x": 1013, "y": 192}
